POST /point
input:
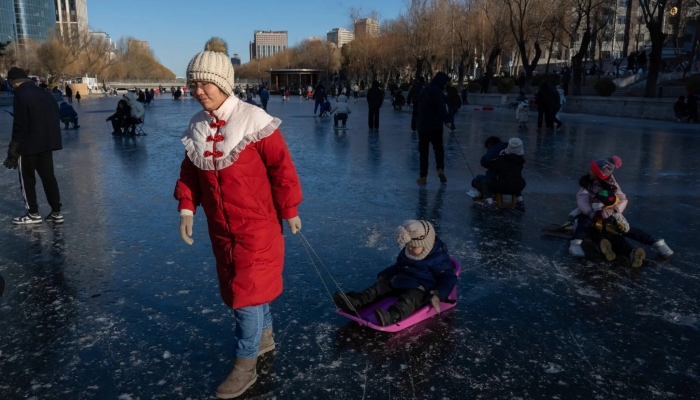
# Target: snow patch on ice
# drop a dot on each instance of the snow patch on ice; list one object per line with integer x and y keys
{"x": 124, "y": 397}
{"x": 373, "y": 238}
{"x": 588, "y": 292}
{"x": 552, "y": 368}
{"x": 679, "y": 319}
{"x": 167, "y": 355}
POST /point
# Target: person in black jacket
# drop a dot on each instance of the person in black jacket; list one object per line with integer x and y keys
{"x": 508, "y": 168}
{"x": 319, "y": 97}
{"x": 547, "y": 99}
{"x": 69, "y": 94}
{"x": 121, "y": 119}
{"x": 375, "y": 98}
{"x": 413, "y": 98}
{"x": 36, "y": 133}
{"x": 453, "y": 103}
{"x": 432, "y": 114}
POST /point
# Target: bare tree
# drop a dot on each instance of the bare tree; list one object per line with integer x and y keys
{"x": 526, "y": 20}
{"x": 54, "y": 59}
{"x": 653, "y": 15}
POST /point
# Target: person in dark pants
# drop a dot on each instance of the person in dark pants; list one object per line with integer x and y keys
{"x": 264, "y": 97}
{"x": 319, "y": 97}
{"x": 494, "y": 146}
{"x": 547, "y": 99}
{"x": 432, "y": 114}
{"x": 465, "y": 95}
{"x": 505, "y": 174}
{"x": 413, "y": 99}
{"x": 453, "y": 104}
{"x": 565, "y": 79}
{"x": 36, "y": 134}
{"x": 422, "y": 274}
{"x": 69, "y": 94}
{"x": 375, "y": 99}
{"x": 522, "y": 81}
{"x": 692, "y": 107}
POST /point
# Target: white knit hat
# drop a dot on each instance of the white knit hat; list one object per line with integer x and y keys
{"x": 212, "y": 65}
{"x": 515, "y": 146}
{"x": 416, "y": 234}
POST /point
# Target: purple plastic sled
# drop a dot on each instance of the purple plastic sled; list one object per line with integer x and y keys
{"x": 426, "y": 312}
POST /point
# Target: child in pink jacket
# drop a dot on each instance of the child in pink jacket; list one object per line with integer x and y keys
{"x": 601, "y": 201}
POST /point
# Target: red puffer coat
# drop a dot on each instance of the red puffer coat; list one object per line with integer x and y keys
{"x": 244, "y": 204}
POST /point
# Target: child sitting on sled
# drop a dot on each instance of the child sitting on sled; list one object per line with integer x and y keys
{"x": 422, "y": 274}
{"x": 601, "y": 201}
{"x": 341, "y": 110}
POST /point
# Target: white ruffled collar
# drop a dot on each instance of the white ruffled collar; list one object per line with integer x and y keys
{"x": 214, "y": 140}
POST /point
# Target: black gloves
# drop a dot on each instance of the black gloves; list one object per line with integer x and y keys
{"x": 12, "y": 160}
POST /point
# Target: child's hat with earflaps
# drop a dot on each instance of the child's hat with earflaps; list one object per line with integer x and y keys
{"x": 212, "y": 65}
{"x": 416, "y": 233}
{"x": 605, "y": 167}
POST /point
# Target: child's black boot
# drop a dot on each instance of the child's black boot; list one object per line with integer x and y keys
{"x": 384, "y": 318}
{"x": 346, "y": 303}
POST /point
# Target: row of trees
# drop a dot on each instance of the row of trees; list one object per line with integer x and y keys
{"x": 73, "y": 54}
{"x": 456, "y": 36}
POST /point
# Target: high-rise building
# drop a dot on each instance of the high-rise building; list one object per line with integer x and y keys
{"x": 339, "y": 36}
{"x": 138, "y": 45}
{"x": 22, "y": 21}
{"x": 315, "y": 38}
{"x": 366, "y": 26}
{"x": 235, "y": 60}
{"x": 71, "y": 16}
{"x": 267, "y": 43}
{"x": 8, "y": 31}
{"x": 102, "y": 37}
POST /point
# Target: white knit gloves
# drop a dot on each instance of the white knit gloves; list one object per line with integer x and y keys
{"x": 294, "y": 224}
{"x": 186, "y": 222}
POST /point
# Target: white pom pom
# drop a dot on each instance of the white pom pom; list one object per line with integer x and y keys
{"x": 402, "y": 235}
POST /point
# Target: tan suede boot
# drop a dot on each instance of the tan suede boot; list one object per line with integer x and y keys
{"x": 239, "y": 380}
{"x": 267, "y": 343}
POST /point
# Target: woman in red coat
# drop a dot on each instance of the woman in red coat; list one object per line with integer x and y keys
{"x": 238, "y": 168}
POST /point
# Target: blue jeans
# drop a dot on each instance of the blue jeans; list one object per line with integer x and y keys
{"x": 250, "y": 324}
{"x": 316, "y": 105}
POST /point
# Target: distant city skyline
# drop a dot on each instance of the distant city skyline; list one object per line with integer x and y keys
{"x": 175, "y": 37}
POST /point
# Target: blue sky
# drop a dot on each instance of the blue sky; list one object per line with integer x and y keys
{"x": 177, "y": 29}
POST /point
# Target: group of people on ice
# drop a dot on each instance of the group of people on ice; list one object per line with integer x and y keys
{"x": 238, "y": 169}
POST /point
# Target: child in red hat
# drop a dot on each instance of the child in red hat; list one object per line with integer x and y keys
{"x": 601, "y": 202}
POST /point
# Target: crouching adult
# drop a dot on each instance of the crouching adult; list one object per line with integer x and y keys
{"x": 504, "y": 163}
{"x": 121, "y": 119}
{"x": 68, "y": 115}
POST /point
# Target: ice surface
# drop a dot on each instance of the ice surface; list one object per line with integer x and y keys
{"x": 114, "y": 305}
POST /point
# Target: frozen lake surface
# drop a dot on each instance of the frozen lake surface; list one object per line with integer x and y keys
{"x": 113, "y": 305}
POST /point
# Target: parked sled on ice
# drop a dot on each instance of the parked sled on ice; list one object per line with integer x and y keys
{"x": 367, "y": 318}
